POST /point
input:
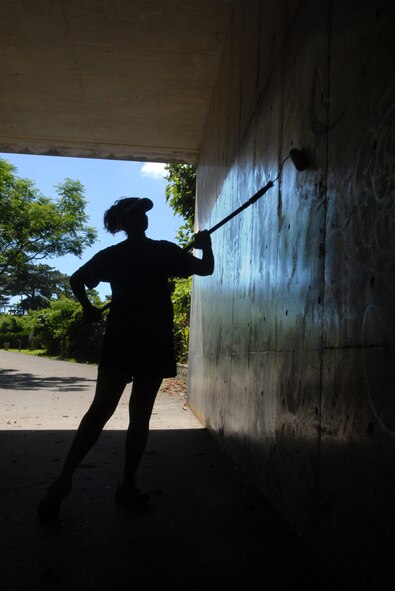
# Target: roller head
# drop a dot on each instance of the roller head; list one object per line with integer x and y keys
{"x": 299, "y": 158}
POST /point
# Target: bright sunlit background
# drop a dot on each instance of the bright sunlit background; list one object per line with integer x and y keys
{"x": 105, "y": 181}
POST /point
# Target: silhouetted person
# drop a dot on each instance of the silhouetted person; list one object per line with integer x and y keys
{"x": 138, "y": 344}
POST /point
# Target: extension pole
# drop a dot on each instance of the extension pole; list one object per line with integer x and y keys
{"x": 236, "y": 212}
{"x": 300, "y": 160}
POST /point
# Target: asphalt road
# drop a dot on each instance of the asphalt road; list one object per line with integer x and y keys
{"x": 208, "y": 526}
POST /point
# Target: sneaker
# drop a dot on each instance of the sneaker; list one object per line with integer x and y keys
{"x": 49, "y": 507}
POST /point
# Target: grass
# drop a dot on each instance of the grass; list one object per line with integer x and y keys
{"x": 36, "y": 352}
{"x": 42, "y": 353}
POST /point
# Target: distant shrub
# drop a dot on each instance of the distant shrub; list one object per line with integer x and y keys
{"x": 58, "y": 328}
{"x": 14, "y": 330}
{"x": 15, "y": 339}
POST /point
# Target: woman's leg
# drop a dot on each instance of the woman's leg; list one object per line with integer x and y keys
{"x": 109, "y": 388}
{"x": 145, "y": 389}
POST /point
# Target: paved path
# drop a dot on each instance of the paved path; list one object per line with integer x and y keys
{"x": 208, "y": 527}
{"x": 40, "y": 393}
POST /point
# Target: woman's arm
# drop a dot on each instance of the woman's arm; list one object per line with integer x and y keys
{"x": 205, "y": 265}
{"x": 91, "y": 313}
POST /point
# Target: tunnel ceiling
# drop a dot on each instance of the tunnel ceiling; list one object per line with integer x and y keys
{"x": 124, "y": 79}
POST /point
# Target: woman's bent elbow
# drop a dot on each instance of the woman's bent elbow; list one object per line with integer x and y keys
{"x": 206, "y": 270}
{"x": 76, "y": 280}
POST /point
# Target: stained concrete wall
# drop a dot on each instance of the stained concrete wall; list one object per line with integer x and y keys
{"x": 292, "y": 342}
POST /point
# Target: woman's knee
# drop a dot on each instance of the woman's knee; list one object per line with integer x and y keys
{"x": 143, "y": 397}
{"x": 109, "y": 388}
{"x": 139, "y": 425}
{"x": 100, "y": 412}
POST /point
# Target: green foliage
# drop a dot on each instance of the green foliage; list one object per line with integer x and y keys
{"x": 14, "y": 324}
{"x": 180, "y": 192}
{"x": 58, "y": 329}
{"x": 180, "y": 195}
{"x": 14, "y": 330}
{"x": 181, "y": 298}
{"x": 51, "y": 325}
{"x": 16, "y": 340}
{"x": 34, "y": 227}
{"x": 38, "y": 283}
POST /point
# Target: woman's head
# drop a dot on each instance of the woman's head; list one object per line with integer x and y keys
{"x": 128, "y": 214}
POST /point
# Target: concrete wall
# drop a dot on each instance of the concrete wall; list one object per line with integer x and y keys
{"x": 292, "y": 342}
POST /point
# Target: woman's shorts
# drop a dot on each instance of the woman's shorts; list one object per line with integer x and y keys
{"x": 158, "y": 360}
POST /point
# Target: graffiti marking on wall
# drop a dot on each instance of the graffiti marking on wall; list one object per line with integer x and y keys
{"x": 377, "y": 369}
{"x": 374, "y": 183}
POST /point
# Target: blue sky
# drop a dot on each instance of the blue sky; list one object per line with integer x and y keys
{"x": 104, "y": 182}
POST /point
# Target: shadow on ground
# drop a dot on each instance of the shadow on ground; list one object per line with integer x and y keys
{"x": 208, "y": 527}
{"x": 12, "y": 379}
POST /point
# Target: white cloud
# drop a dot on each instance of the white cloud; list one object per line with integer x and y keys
{"x": 155, "y": 170}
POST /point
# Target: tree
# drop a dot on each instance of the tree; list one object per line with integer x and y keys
{"x": 34, "y": 227}
{"x": 38, "y": 284}
{"x": 180, "y": 195}
{"x": 181, "y": 298}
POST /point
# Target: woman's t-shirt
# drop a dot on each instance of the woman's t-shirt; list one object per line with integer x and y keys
{"x": 141, "y": 312}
